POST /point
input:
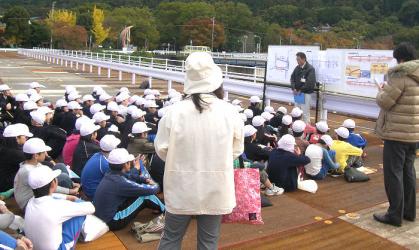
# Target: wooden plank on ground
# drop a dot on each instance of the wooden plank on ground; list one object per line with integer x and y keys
{"x": 107, "y": 241}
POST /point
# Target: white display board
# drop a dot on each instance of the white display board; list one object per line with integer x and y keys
{"x": 345, "y": 71}
{"x": 282, "y": 61}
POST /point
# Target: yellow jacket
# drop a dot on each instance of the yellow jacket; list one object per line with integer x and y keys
{"x": 343, "y": 151}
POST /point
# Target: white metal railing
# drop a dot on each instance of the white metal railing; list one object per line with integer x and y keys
{"x": 8, "y": 49}
{"x": 254, "y": 74}
{"x": 174, "y": 71}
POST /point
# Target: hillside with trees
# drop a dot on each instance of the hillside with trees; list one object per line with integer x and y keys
{"x": 234, "y": 25}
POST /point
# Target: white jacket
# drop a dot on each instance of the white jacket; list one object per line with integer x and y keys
{"x": 199, "y": 149}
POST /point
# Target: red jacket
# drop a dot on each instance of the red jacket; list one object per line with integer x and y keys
{"x": 69, "y": 148}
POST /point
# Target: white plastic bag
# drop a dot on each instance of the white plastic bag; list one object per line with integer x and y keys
{"x": 93, "y": 228}
{"x": 307, "y": 185}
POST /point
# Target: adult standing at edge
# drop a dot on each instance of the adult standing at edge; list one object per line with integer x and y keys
{"x": 199, "y": 138}
{"x": 303, "y": 80}
{"x": 398, "y": 126}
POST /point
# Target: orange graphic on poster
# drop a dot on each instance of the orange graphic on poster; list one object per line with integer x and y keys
{"x": 379, "y": 68}
{"x": 353, "y": 71}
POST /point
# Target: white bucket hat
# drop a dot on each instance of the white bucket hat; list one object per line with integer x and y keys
{"x": 296, "y": 112}
{"x": 327, "y": 139}
{"x": 258, "y": 121}
{"x": 283, "y": 110}
{"x": 236, "y": 102}
{"x": 269, "y": 109}
{"x": 255, "y": 99}
{"x": 88, "y": 128}
{"x": 113, "y": 106}
{"x": 4, "y": 87}
{"x": 61, "y": 103}
{"x": 202, "y": 74}
{"x": 100, "y": 117}
{"x": 322, "y": 126}
{"x": 349, "y": 123}
{"x": 21, "y": 98}
{"x": 286, "y": 120}
{"x": 35, "y": 97}
{"x": 137, "y": 114}
{"x": 113, "y": 128}
{"x": 248, "y": 113}
{"x": 287, "y": 143}
{"x": 82, "y": 120}
{"x": 30, "y": 105}
{"x": 73, "y": 96}
{"x": 104, "y": 96}
{"x": 122, "y": 97}
{"x": 267, "y": 116}
{"x": 298, "y": 126}
{"x": 97, "y": 107}
{"x": 74, "y": 105}
{"x": 38, "y": 117}
{"x": 150, "y": 104}
{"x": 88, "y": 98}
{"x": 34, "y": 85}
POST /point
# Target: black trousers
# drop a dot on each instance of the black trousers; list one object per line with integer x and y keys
{"x": 400, "y": 179}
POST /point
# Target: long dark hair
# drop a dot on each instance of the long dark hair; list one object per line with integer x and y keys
{"x": 200, "y": 104}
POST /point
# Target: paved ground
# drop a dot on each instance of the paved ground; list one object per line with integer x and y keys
{"x": 292, "y": 222}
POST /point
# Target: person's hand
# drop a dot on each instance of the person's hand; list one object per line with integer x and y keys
{"x": 75, "y": 190}
{"x": 3, "y": 209}
{"x": 24, "y": 243}
{"x": 120, "y": 119}
{"x": 71, "y": 198}
{"x": 150, "y": 182}
{"x": 297, "y": 150}
{"x": 9, "y": 106}
{"x": 75, "y": 184}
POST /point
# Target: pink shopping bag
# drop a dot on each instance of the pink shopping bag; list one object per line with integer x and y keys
{"x": 248, "y": 204}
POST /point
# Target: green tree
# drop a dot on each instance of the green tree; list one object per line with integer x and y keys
{"x": 408, "y": 35}
{"x": 409, "y": 13}
{"x": 284, "y": 15}
{"x": 273, "y": 34}
{"x": 200, "y": 31}
{"x": 39, "y": 35}
{"x": 17, "y": 25}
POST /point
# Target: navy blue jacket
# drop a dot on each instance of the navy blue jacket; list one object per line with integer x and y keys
{"x": 114, "y": 190}
{"x": 282, "y": 168}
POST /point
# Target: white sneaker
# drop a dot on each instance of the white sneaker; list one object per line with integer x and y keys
{"x": 274, "y": 191}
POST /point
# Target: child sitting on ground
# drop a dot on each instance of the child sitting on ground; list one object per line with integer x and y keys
{"x": 354, "y": 139}
{"x": 322, "y": 158}
{"x": 321, "y": 129}
{"x": 298, "y": 128}
{"x": 346, "y": 154}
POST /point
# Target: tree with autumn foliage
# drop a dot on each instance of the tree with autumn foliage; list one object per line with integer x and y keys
{"x": 200, "y": 32}
{"x": 100, "y": 33}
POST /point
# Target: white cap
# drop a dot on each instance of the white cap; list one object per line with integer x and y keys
{"x": 34, "y": 85}
{"x": 124, "y": 90}
{"x": 287, "y": 143}
{"x": 113, "y": 128}
{"x": 35, "y": 97}
{"x": 35, "y": 146}
{"x": 296, "y": 112}
{"x": 202, "y": 74}
{"x": 69, "y": 89}
{"x": 88, "y": 98}
{"x": 258, "y": 121}
{"x": 17, "y": 129}
{"x": 98, "y": 90}
{"x": 38, "y": 117}
{"x": 44, "y": 109}
{"x": 131, "y": 109}
{"x": 248, "y": 113}
{"x": 327, "y": 139}
{"x": 61, "y": 103}
{"x": 140, "y": 101}
{"x": 156, "y": 92}
{"x": 249, "y": 130}
{"x": 236, "y": 102}
{"x": 176, "y": 99}
{"x": 96, "y": 107}
{"x": 109, "y": 143}
{"x": 322, "y": 126}
{"x": 133, "y": 99}
{"x": 238, "y": 108}
{"x": 122, "y": 97}
{"x": 88, "y": 128}
{"x": 283, "y": 110}
{"x": 171, "y": 92}
{"x": 161, "y": 112}
{"x": 150, "y": 104}
{"x": 74, "y": 105}
{"x": 298, "y": 126}
{"x": 73, "y": 96}
{"x": 21, "y": 98}
{"x": 150, "y": 97}
{"x": 30, "y": 92}
{"x": 41, "y": 176}
{"x": 342, "y": 132}
{"x": 122, "y": 110}
{"x": 267, "y": 116}
{"x": 139, "y": 127}
{"x": 82, "y": 120}
{"x": 270, "y": 109}
{"x": 100, "y": 117}
{"x": 255, "y": 99}
{"x": 30, "y": 105}
{"x": 137, "y": 114}
{"x": 286, "y": 120}
{"x": 4, "y": 87}
{"x": 243, "y": 116}
{"x": 120, "y": 156}
{"x": 148, "y": 92}
{"x": 112, "y": 106}
{"x": 104, "y": 96}
{"x": 349, "y": 123}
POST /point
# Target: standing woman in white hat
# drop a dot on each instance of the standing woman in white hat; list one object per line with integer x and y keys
{"x": 199, "y": 138}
